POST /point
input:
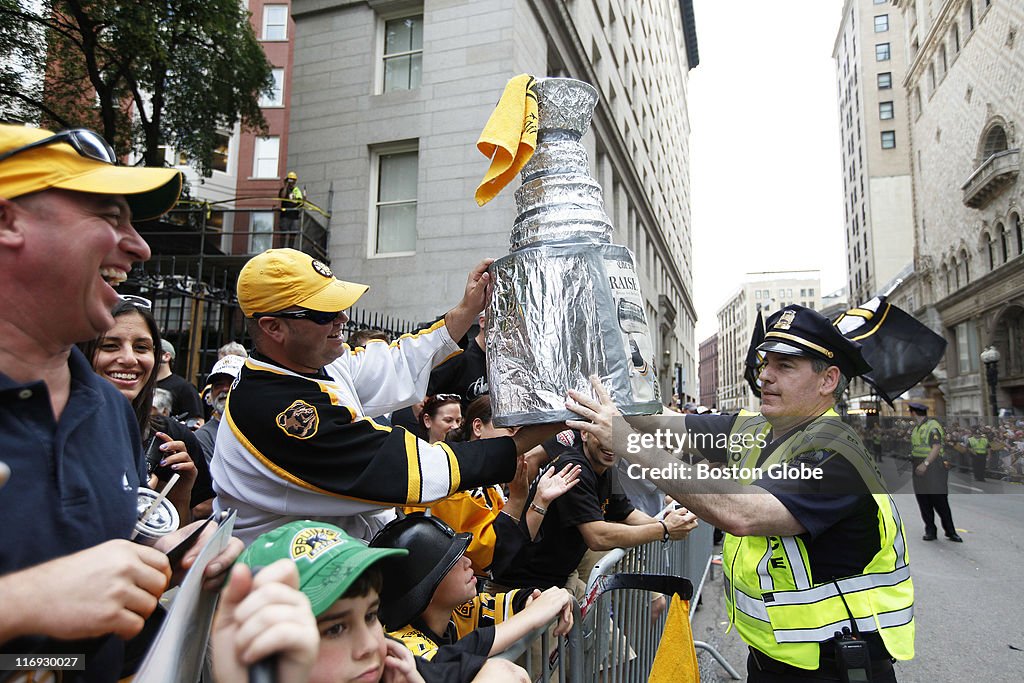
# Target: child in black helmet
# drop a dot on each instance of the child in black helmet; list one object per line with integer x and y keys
{"x": 430, "y": 603}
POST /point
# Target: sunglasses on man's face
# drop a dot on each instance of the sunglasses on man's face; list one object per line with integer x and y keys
{"x": 317, "y": 317}
{"x": 87, "y": 143}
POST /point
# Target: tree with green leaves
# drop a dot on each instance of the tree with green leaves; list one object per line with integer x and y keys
{"x": 145, "y": 73}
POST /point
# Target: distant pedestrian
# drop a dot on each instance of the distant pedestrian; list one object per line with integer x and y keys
{"x": 930, "y": 475}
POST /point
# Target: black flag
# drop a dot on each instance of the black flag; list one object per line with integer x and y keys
{"x": 755, "y": 359}
{"x": 901, "y": 350}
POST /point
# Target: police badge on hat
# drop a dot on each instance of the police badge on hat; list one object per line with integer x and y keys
{"x": 322, "y": 268}
{"x": 785, "y": 321}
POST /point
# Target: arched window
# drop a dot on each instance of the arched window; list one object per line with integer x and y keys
{"x": 955, "y": 267}
{"x": 1015, "y": 222}
{"x": 1004, "y": 238}
{"x": 995, "y": 141}
{"x": 966, "y": 263}
{"x": 943, "y": 61}
{"x": 988, "y": 248}
{"x": 956, "y": 38}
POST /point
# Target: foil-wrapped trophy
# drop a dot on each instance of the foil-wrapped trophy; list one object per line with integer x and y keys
{"x": 567, "y": 302}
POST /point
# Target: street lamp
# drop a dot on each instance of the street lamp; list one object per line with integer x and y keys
{"x": 990, "y": 357}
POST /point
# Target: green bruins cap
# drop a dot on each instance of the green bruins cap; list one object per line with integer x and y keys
{"x": 328, "y": 559}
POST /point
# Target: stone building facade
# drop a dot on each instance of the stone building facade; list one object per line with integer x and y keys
{"x": 965, "y": 86}
{"x": 389, "y": 97}
{"x": 870, "y": 56}
{"x": 708, "y": 352}
{"x": 763, "y": 293}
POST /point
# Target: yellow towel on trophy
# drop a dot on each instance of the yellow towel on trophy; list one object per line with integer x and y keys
{"x": 676, "y": 659}
{"x": 509, "y": 137}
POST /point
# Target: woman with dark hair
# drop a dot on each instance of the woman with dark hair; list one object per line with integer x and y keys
{"x": 126, "y": 356}
{"x": 441, "y": 414}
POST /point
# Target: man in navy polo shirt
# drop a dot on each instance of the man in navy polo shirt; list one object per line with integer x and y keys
{"x": 71, "y": 441}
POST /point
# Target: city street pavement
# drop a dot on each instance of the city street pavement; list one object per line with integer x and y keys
{"x": 968, "y": 605}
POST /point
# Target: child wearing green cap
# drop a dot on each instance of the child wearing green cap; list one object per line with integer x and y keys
{"x": 313, "y": 607}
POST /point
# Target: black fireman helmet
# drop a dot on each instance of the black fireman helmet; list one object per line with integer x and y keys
{"x": 410, "y": 582}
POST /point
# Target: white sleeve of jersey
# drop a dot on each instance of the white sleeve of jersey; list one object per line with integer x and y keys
{"x": 387, "y": 377}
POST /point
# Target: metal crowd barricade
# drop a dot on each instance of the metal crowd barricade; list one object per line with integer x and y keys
{"x": 563, "y": 663}
{"x": 625, "y": 650}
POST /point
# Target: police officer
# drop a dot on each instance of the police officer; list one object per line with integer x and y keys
{"x": 978, "y": 443}
{"x": 930, "y": 477}
{"x": 818, "y": 581}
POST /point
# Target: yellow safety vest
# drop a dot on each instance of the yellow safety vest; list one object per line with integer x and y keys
{"x": 774, "y": 601}
{"x": 978, "y": 444}
{"x": 919, "y": 446}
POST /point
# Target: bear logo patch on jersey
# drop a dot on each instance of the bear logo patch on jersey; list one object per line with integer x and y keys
{"x": 299, "y": 420}
{"x": 310, "y": 543}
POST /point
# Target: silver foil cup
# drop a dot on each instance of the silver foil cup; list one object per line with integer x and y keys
{"x": 567, "y": 302}
{"x": 162, "y": 521}
{"x": 559, "y": 314}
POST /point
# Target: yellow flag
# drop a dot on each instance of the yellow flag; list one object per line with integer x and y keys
{"x": 509, "y": 137}
{"x": 676, "y": 660}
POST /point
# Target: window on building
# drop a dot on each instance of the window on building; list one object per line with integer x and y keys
{"x": 275, "y": 22}
{"x": 885, "y": 110}
{"x": 995, "y": 142}
{"x": 275, "y": 97}
{"x": 403, "y": 53}
{"x": 261, "y": 231}
{"x": 969, "y": 15}
{"x": 881, "y": 23}
{"x": 265, "y": 157}
{"x": 881, "y": 2}
{"x": 803, "y": 292}
{"x": 882, "y": 52}
{"x": 888, "y": 139}
{"x": 221, "y": 150}
{"x": 1015, "y": 219}
{"x": 395, "y": 222}
{"x": 967, "y": 347}
{"x": 956, "y": 39}
{"x": 885, "y": 80}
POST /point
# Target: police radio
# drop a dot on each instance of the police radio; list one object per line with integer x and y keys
{"x": 853, "y": 660}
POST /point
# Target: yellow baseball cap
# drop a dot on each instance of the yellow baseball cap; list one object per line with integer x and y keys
{"x": 281, "y": 278}
{"x": 150, "y": 192}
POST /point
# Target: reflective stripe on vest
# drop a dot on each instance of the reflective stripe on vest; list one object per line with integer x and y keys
{"x": 919, "y": 446}
{"x": 772, "y": 598}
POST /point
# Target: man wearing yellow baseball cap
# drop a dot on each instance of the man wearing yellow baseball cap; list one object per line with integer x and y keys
{"x": 299, "y": 442}
{"x": 70, "y": 439}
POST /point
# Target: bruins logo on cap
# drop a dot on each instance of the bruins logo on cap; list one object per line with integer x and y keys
{"x": 311, "y": 543}
{"x": 785, "y": 321}
{"x": 299, "y": 420}
{"x": 322, "y": 268}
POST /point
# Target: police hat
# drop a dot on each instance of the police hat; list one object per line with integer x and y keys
{"x": 799, "y": 331}
{"x": 918, "y": 407}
